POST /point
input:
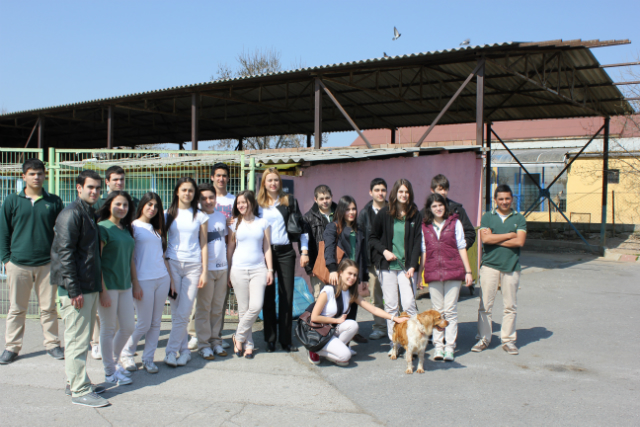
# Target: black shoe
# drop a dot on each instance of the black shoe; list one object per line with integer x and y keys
{"x": 360, "y": 339}
{"x": 97, "y": 389}
{"x": 290, "y": 348}
{"x": 248, "y": 355}
{"x": 235, "y": 346}
{"x": 271, "y": 347}
{"x": 8, "y": 357}
{"x": 56, "y": 353}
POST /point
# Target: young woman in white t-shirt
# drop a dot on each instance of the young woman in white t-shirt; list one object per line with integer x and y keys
{"x": 153, "y": 276}
{"x": 326, "y": 311}
{"x": 251, "y": 269}
{"x": 187, "y": 253}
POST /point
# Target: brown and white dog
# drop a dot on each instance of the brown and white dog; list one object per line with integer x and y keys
{"x": 414, "y": 335}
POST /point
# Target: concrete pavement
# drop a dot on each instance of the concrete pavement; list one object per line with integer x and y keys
{"x": 578, "y": 364}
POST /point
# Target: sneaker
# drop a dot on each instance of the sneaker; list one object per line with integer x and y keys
{"x": 118, "y": 378}
{"x": 90, "y": 399}
{"x": 510, "y": 348}
{"x": 56, "y": 353}
{"x": 96, "y": 352}
{"x": 353, "y": 352}
{"x": 184, "y": 358}
{"x": 448, "y": 356}
{"x": 314, "y": 358}
{"x": 128, "y": 363}
{"x": 170, "y": 360}
{"x": 206, "y": 353}
{"x": 97, "y": 389}
{"x": 376, "y": 335}
{"x": 150, "y": 366}
{"x": 193, "y": 343}
{"x": 8, "y": 357}
{"x": 360, "y": 339}
{"x": 480, "y": 345}
{"x": 438, "y": 355}
{"x": 342, "y": 364}
{"x": 225, "y": 344}
{"x": 219, "y": 351}
{"x": 123, "y": 371}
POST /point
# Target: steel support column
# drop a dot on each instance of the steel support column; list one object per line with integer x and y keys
{"x": 240, "y": 144}
{"x": 110, "y": 127}
{"x": 487, "y": 173}
{"x": 41, "y": 132}
{"x": 480, "y": 106}
{"x": 317, "y": 120}
{"x": 308, "y": 140}
{"x": 605, "y": 182}
{"x": 194, "y": 122}
{"x": 393, "y": 135}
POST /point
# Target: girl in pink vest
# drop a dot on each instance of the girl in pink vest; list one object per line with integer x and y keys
{"x": 445, "y": 266}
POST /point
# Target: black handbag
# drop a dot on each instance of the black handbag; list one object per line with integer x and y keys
{"x": 314, "y": 336}
{"x": 295, "y": 222}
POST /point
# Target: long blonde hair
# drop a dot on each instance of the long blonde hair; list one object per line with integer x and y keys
{"x": 264, "y": 200}
{"x": 353, "y": 290}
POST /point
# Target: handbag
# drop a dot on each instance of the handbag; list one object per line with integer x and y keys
{"x": 320, "y": 269}
{"x": 295, "y": 221}
{"x": 315, "y": 336}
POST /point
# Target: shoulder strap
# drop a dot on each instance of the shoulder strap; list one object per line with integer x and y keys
{"x": 340, "y": 306}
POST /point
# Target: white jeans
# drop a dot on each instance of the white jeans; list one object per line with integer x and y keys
{"x": 394, "y": 282}
{"x": 444, "y": 299}
{"x": 149, "y": 310}
{"x": 185, "y": 277}
{"x": 337, "y": 348}
{"x": 249, "y": 286}
{"x": 120, "y": 313}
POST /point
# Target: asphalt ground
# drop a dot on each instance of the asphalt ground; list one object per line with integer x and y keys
{"x": 578, "y": 329}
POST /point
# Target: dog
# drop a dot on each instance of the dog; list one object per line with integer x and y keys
{"x": 414, "y": 335}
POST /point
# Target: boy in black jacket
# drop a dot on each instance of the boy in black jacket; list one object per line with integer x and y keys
{"x": 320, "y": 214}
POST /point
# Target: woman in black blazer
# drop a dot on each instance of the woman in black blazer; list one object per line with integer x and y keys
{"x": 343, "y": 233}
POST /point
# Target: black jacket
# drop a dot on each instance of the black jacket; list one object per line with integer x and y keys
{"x": 381, "y": 239}
{"x": 469, "y": 230}
{"x": 365, "y": 220}
{"x": 284, "y": 211}
{"x": 75, "y": 251}
{"x": 316, "y": 223}
{"x": 331, "y": 239}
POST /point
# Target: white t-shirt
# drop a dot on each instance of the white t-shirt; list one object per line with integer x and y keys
{"x": 331, "y": 309}
{"x": 460, "y": 242}
{"x": 249, "y": 251}
{"x": 279, "y": 234}
{"x": 503, "y": 217}
{"x": 224, "y": 205}
{"x": 184, "y": 236}
{"x": 147, "y": 253}
{"x": 216, "y": 231}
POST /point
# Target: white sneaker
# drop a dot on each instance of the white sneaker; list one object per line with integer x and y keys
{"x": 170, "y": 360}
{"x": 123, "y": 371}
{"x": 150, "y": 366}
{"x": 219, "y": 351}
{"x": 353, "y": 352}
{"x": 184, "y": 358}
{"x": 343, "y": 364}
{"x": 225, "y": 344}
{"x": 118, "y": 378}
{"x": 376, "y": 335}
{"x": 193, "y": 343}
{"x": 128, "y": 363}
{"x": 206, "y": 353}
{"x": 439, "y": 354}
{"x": 96, "y": 352}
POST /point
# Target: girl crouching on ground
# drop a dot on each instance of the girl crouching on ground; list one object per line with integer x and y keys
{"x": 332, "y": 307}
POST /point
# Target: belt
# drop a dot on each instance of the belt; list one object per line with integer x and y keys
{"x": 282, "y": 248}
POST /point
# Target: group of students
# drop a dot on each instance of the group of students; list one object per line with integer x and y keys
{"x": 131, "y": 255}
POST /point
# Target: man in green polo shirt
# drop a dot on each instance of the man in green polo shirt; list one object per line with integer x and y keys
{"x": 26, "y": 232}
{"x": 503, "y": 232}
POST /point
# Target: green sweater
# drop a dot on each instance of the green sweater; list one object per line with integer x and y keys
{"x": 26, "y": 229}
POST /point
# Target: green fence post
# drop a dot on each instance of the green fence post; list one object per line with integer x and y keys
{"x": 52, "y": 167}
{"x": 56, "y": 173}
{"x": 40, "y": 155}
{"x": 242, "y": 179}
{"x": 252, "y": 174}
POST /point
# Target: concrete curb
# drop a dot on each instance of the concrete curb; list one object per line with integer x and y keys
{"x": 550, "y": 245}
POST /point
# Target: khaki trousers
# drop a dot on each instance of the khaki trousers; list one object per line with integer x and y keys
{"x": 249, "y": 286}
{"x": 489, "y": 280}
{"x": 379, "y": 324}
{"x": 20, "y": 279}
{"x": 78, "y": 327}
{"x": 210, "y": 309}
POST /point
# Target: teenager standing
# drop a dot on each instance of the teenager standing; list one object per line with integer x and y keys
{"x": 188, "y": 260}
{"x": 251, "y": 269}
{"x": 25, "y": 218}
{"x": 446, "y": 265}
{"x": 119, "y": 283}
{"x": 395, "y": 243}
{"x": 275, "y": 208}
{"x": 153, "y": 278}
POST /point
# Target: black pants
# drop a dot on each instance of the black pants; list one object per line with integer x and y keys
{"x": 284, "y": 264}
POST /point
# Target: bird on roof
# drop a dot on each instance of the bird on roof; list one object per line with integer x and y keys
{"x": 385, "y": 55}
{"x": 396, "y": 34}
{"x": 466, "y": 42}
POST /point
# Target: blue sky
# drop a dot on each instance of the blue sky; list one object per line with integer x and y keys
{"x": 58, "y": 52}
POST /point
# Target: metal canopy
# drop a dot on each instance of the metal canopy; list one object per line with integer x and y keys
{"x": 554, "y": 79}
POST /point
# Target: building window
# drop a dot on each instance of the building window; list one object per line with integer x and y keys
{"x": 614, "y": 176}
